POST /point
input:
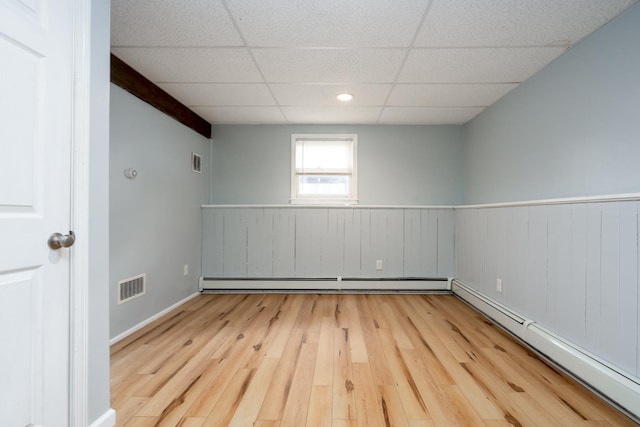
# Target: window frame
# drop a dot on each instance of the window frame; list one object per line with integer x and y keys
{"x": 300, "y": 199}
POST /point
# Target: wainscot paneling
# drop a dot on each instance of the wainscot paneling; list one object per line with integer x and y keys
{"x": 572, "y": 267}
{"x": 327, "y": 242}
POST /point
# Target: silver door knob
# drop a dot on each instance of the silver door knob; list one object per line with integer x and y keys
{"x": 57, "y": 240}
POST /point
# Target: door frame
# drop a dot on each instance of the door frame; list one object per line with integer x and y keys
{"x": 79, "y": 221}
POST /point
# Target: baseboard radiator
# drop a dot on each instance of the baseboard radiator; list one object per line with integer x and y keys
{"x": 619, "y": 388}
{"x": 328, "y": 285}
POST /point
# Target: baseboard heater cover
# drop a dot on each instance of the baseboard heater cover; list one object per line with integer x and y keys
{"x": 508, "y": 319}
{"x": 605, "y": 379}
{"x": 340, "y": 284}
{"x": 620, "y": 388}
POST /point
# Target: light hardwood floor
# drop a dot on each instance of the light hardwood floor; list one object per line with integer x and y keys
{"x": 283, "y": 360}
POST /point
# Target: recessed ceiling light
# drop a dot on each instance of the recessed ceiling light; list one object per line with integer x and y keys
{"x": 344, "y": 97}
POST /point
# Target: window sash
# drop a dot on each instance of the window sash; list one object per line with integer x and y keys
{"x": 321, "y": 154}
{"x": 341, "y": 186}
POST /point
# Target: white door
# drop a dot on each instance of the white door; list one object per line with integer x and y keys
{"x": 35, "y": 133}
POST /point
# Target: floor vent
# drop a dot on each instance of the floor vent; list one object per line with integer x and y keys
{"x": 196, "y": 162}
{"x": 131, "y": 288}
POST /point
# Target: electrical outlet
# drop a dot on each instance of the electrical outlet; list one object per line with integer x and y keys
{"x": 185, "y": 270}
{"x": 379, "y": 265}
{"x": 499, "y": 285}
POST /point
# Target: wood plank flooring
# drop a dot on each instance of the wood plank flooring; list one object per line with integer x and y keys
{"x": 284, "y": 360}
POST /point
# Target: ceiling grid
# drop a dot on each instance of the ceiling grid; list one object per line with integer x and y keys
{"x": 405, "y": 61}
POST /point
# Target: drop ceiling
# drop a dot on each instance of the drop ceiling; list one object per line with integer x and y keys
{"x": 405, "y": 61}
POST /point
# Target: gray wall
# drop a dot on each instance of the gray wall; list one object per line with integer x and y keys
{"x": 397, "y": 165}
{"x": 98, "y": 311}
{"x": 155, "y": 218}
{"x": 573, "y": 129}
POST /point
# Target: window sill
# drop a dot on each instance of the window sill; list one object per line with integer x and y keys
{"x": 324, "y": 202}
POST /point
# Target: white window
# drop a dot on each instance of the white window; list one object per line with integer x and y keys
{"x": 323, "y": 169}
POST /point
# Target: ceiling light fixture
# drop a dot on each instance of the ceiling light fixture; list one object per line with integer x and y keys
{"x": 344, "y": 97}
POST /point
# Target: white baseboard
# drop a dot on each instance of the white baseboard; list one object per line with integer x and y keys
{"x": 618, "y": 387}
{"x": 108, "y": 419}
{"x": 150, "y": 319}
{"x": 325, "y": 285}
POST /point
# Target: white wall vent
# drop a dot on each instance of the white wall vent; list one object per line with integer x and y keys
{"x": 196, "y": 162}
{"x": 132, "y": 287}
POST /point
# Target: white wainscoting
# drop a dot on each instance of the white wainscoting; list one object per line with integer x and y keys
{"x": 327, "y": 242}
{"x": 572, "y": 267}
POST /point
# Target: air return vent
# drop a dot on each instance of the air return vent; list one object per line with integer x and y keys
{"x": 196, "y": 162}
{"x": 131, "y": 288}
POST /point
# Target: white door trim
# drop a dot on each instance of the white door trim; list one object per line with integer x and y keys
{"x": 79, "y": 273}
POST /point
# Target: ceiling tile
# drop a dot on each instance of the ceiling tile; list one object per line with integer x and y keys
{"x": 481, "y": 65}
{"x": 329, "y": 65}
{"x": 328, "y": 23}
{"x": 429, "y": 115}
{"x": 332, "y": 114}
{"x": 325, "y": 94}
{"x": 172, "y": 23}
{"x": 219, "y": 94}
{"x": 214, "y": 65}
{"x": 465, "y": 23}
{"x": 448, "y": 95}
{"x": 237, "y": 115}
{"x": 266, "y": 61}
